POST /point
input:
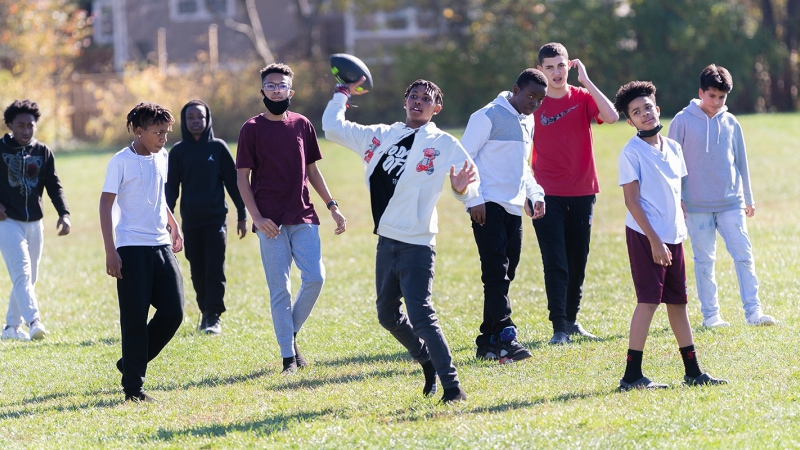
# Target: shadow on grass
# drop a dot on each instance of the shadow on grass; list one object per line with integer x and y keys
{"x": 267, "y": 426}
{"x": 213, "y": 381}
{"x": 291, "y": 385}
{"x": 365, "y": 359}
{"x": 31, "y": 407}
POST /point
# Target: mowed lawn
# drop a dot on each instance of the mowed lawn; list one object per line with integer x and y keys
{"x": 363, "y": 391}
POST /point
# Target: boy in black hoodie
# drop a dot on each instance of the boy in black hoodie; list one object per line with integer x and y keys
{"x": 27, "y": 169}
{"x": 204, "y": 164}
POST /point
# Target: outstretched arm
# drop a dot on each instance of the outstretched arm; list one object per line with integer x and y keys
{"x": 318, "y": 183}
{"x": 607, "y": 112}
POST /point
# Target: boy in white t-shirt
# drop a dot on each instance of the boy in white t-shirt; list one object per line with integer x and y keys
{"x": 650, "y": 171}
{"x": 147, "y": 236}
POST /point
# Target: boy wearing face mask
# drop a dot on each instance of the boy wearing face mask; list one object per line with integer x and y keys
{"x": 276, "y": 161}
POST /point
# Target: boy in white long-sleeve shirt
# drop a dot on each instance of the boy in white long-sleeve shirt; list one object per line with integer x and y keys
{"x": 406, "y": 164}
{"x": 498, "y": 137}
{"x": 717, "y": 194}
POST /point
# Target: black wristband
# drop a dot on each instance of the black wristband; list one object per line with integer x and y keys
{"x": 331, "y": 204}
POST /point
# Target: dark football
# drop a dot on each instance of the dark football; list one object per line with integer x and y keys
{"x": 349, "y": 69}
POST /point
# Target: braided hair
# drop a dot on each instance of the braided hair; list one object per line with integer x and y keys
{"x": 147, "y": 113}
{"x": 430, "y": 88}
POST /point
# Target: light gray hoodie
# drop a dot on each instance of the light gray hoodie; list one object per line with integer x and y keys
{"x": 716, "y": 160}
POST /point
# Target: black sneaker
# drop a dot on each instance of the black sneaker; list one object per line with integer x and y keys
{"x": 575, "y": 328}
{"x": 487, "y": 352}
{"x": 560, "y": 338}
{"x": 454, "y": 394}
{"x": 508, "y": 347}
{"x": 213, "y": 325}
{"x": 289, "y": 366}
{"x": 703, "y": 380}
{"x": 641, "y": 383}
{"x": 139, "y": 398}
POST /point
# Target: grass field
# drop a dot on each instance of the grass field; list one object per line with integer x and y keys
{"x": 362, "y": 390}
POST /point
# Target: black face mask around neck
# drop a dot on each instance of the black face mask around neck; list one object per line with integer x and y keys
{"x": 649, "y": 133}
{"x": 277, "y": 108}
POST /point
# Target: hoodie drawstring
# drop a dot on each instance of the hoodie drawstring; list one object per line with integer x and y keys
{"x": 708, "y": 125}
{"x": 719, "y": 127}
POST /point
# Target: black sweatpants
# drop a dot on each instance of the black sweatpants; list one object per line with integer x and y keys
{"x": 564, "y": 234}
{"x": 205, "y": 250}
{"x": 150, "y": 276}
{"x": 499, "y": 242}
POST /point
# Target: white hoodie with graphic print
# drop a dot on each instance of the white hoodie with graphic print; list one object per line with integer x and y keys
{"x": 410, "y": 216}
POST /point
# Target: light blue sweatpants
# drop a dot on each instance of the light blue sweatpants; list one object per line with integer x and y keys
{"x": 21, "y": 244}
{"x": 298, "y": 243}
{"x": 732, "y": 226}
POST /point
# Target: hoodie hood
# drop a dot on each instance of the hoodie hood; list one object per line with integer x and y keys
{"x": 208, "y": 133}
{"x": 694, "y": 109}
{"x": 12, "y": 143}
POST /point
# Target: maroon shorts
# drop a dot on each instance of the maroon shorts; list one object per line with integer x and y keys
{"x": 655, "y": 283}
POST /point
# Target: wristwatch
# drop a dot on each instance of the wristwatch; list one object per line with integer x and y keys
{"x": 331, "y": 204}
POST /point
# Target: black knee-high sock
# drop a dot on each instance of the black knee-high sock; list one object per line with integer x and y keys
{"x": 690, "y": 361}
{"x": 633, "y": 369}
{"x": 430, "y": 379}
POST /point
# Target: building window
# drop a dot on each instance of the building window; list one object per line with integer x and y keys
{"x": 200, "y": 10}
{"x": 103, "y": 11}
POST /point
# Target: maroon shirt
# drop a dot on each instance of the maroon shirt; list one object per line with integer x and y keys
{"x": 278, "y": 153}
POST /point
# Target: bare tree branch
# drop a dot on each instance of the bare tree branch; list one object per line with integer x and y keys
{"x": 253, "y": 31}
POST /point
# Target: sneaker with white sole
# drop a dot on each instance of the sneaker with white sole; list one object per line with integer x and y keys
{"x": 15, "y": 332}
{"x": 759, "y": 318}
{"x": 715, "y": 321}
{"x": 37, "y": 330}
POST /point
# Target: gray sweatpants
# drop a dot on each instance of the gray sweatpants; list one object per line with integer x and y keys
{"x": 298, "y": 243}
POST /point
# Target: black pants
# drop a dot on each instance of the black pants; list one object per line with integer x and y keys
{"x": 499, "y": 242}
{"x": 150, "y": 276}
{"x": 406, "y": 271}
{"x": 205, "y": 250}
{"x": 564, "y": 234}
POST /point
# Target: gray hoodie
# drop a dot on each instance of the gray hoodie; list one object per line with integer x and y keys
{"x": 716, "y": 160}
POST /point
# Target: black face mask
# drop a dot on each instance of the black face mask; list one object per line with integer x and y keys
{"x": 649, "y": 133}
{"x": 277, "y": 108}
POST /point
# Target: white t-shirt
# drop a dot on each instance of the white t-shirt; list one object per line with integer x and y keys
{"x": 659, "y": 175}
{"x": 140, "y": 208}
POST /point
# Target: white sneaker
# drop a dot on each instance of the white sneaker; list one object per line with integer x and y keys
{"x": 16, "y": 332}
{"x": 37, "y": 330}
{"x": 759, "y": 318}
{"x": 715, "y": 322}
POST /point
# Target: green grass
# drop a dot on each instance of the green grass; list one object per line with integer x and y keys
{"x": 363, "y": 390}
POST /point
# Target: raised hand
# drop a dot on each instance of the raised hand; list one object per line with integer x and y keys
{"x": 462, "y": 180}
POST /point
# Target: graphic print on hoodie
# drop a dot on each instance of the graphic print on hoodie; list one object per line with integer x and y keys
{"x": 204, "y": 168}
{"x": 30, "y": 169}
{"x": 384, "y": 179}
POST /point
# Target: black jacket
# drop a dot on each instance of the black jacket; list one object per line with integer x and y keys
{"x": 203, "y": 167}
{"x": 25, "y": 172}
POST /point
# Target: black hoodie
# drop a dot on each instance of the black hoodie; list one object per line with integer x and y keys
{"x": 25, "y": 172}
{"x": 203, "y": 167}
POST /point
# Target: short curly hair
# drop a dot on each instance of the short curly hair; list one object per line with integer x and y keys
{"x": 147, "y": 113}
{"x": 531, "y": 75}
{"x": 277, "y": 68}
{"x": 718, "y": 77}
{"x": 18, "y": 107}
{"x": 430, "y": 88}
{"x": 631, "y": 91}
